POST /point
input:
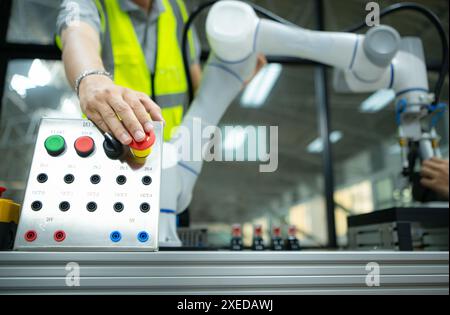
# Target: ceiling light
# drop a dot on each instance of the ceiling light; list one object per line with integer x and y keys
{"x": 317, "y": 145}
{"x": 377, "y": 101}
{"x": 39, "y": 73}
{"x": 260, "y": 87}
{"x": 21, "y": 84}
{"x": 70, "y": 107}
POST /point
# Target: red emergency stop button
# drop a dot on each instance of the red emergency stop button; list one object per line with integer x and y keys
{"x": 84, "y": 146}
{"x": 144, "y": 148}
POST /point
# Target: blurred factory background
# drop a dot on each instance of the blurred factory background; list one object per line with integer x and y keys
{"x": 366, "y": 158}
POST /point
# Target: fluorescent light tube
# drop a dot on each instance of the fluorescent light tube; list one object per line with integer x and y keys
{"x": 377, "y": 101}
{"x": 317, "y": 145}
{"x": 260, "y": 87}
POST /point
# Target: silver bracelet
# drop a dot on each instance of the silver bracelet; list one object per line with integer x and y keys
{"x": 88, "y": 73}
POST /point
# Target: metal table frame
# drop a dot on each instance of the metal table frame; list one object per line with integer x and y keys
{"x": 218, "y": 272}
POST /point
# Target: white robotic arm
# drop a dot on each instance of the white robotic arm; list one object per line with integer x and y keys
{"x": 381, "y": 59}
{"x": 367, "y": 61}
{"x": 182, "y": 157}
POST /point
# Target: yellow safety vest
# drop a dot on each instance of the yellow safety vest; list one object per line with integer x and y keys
{"x": 130, "y": 67}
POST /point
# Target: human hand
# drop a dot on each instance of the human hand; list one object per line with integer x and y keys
{"x": 125, "y": 113}
{"x": 435, "y": 176}
{"x": 260, "y": 63}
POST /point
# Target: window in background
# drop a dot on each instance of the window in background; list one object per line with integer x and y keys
{"x": 352, "y": 200}
{"x": 369, "y": 153}
{"x": 383, "y": 189}
{"x": 310, "y": 223}
{"x": 369, "y": 149}
{"x": 34, "y": 89}
{"x": 236, "y": 192}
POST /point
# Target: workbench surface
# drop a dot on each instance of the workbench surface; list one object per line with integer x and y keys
{"x": 221, "y": 272}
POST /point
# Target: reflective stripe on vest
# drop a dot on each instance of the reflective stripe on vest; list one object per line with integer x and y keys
{"x": 185, "y": 16}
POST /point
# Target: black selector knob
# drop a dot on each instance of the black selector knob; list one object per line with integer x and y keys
{"x": 113, "y": 148}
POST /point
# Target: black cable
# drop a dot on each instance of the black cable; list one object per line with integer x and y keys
{"x": 434, "y": 19}
{"x": 186, "y": 62}
{"x": 270, "y": 15}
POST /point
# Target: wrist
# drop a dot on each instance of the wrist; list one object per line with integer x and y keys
{"x": 91, "y": 76}
{"x": 94, "y": 80}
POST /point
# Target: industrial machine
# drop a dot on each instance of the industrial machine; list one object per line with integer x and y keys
{"x": 400, "y": 229}
{"x": 364, "y": 63}
{"x": 86, "y": 192}
{"x": 381, "y": 59}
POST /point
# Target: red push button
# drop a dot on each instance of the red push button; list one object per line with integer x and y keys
{"x": 84, "y": 146}
{"x": 144, "y": 148}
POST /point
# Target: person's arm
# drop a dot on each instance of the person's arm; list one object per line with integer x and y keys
{"x": 261, "y": 62}
{"x": 101, "y": 100}
{"x": 435, "y": 176}
{"x": 193, "y": 53}
{"x": 196, "y": 75}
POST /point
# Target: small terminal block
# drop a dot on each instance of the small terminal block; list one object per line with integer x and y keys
{"x": 236, "y": 238}
{"x": 277, "y": 240}
{"x": 258, "y": 242}
{"x": 292, "y": 242}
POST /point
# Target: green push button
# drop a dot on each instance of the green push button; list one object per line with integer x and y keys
{"x": 55, "y": 145}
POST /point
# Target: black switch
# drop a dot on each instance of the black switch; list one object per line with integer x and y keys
{"x": 113, "y": 148}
